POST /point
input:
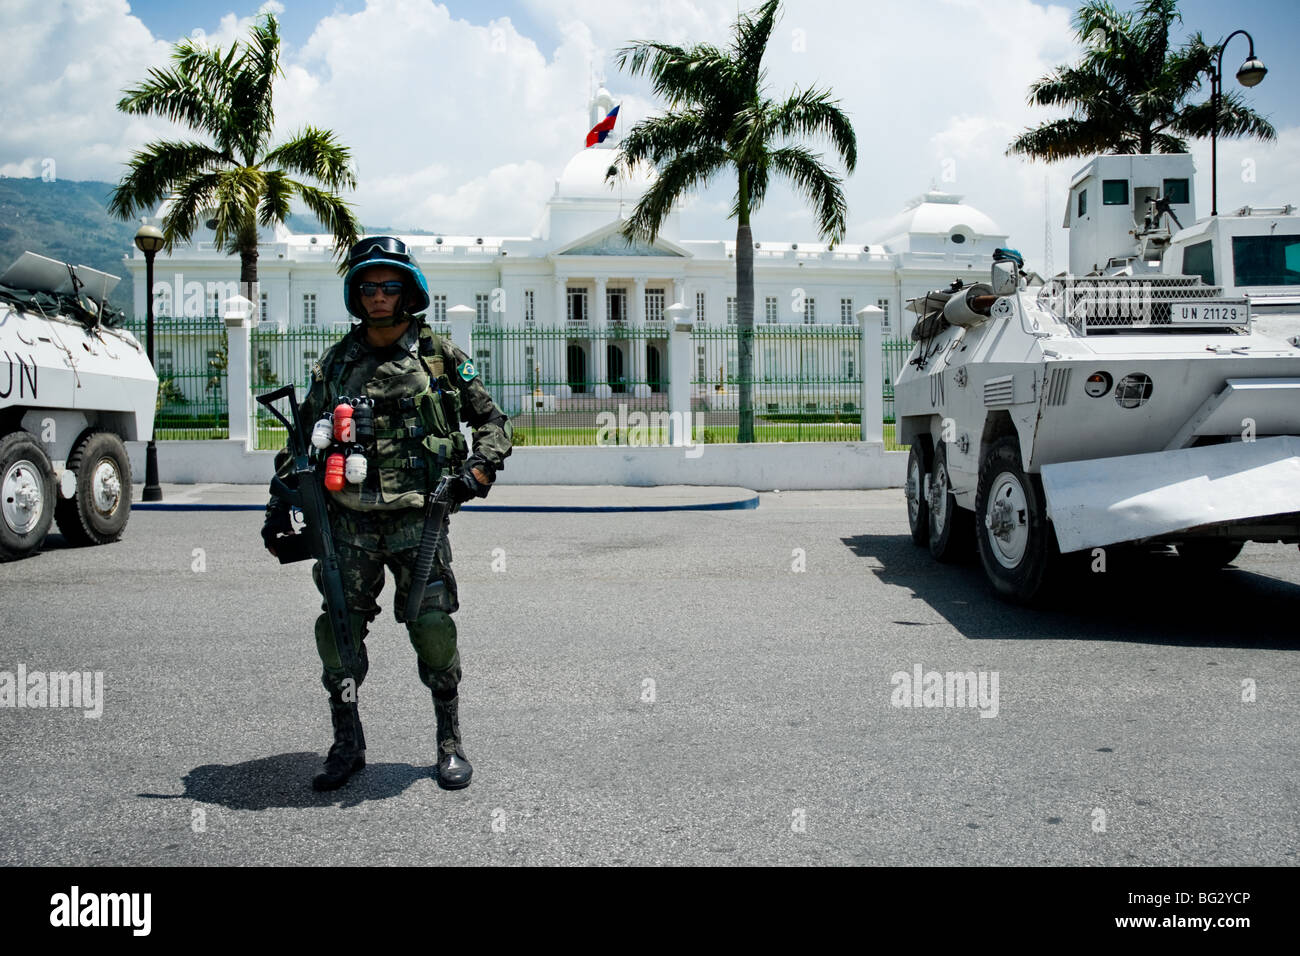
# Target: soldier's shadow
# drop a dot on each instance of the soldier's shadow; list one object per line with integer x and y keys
{"x": 284, "y": 781}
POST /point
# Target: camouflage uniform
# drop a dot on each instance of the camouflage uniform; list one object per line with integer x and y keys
{"x": 422, "y": 387}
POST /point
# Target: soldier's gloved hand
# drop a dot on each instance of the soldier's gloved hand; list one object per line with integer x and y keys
{"x": 277, "y": 522}
{"x": 472, "y": 482}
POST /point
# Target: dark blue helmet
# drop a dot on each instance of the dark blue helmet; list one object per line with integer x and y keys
{"x": 384, "y": 251}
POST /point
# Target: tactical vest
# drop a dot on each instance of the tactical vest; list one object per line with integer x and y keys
{"x": 417, "y": 429}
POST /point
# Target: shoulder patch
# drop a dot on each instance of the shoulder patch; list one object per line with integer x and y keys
{"x": 466, "y": 370}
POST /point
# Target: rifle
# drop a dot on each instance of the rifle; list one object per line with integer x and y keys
{"x": 435, "y": 514}
{"x": 308, "y": 496}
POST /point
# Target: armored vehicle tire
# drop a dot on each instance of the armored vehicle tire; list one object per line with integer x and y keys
{"x": 950, "y": 526}
{"x": 1016, "y": 544}
{"x": 918, "y": 509}
{"x": 1209, "y": 554}
{"x": 98, "y": 511}
{"x": 26, "y": 495}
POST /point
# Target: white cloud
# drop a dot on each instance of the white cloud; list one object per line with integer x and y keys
{"x": 462, "y": 126}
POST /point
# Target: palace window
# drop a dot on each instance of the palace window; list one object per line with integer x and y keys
{"x": 733, "y": 310}
{"x": 266, "y": 307}
{"x": 481, "y": 300}
{"x": 770, "y": 310}
{"x": 577, "y": 299}
{"x": 654, "y": 305}
{"x": 309, "y": 309}
{"x": 701, "y": 310}
{"x": 530, "y": 307}
{"x": 809, "y": 311}
{"x": 884, "y": 319}
{"x": 483, "y": 364}
{"x": 438, "y": 308}
{"x": 846, "y": 311}
{"x": 616, "y": 305}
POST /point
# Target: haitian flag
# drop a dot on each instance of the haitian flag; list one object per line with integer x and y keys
{"x": 603, "y": 128}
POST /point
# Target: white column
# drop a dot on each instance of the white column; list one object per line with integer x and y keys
{"x": 870, "y": 364}
{"x": 239, "y": 369}
{"x": 599, "y": 342}
{"x": 679, "y": 374}
{"x": 637, "y": 321}
{"x": 561, "y": 371}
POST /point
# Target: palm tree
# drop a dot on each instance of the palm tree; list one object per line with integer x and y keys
{"x": 1130, "y": 92}
{"x": 234, "y": 180}
{"x": 720, "y": 118}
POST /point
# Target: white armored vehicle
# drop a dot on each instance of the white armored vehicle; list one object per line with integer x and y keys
{"x": 72, "y": 391}
{"x": 1136, "y": 402}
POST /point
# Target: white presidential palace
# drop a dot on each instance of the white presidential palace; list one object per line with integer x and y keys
{"x": 576, "y": 272}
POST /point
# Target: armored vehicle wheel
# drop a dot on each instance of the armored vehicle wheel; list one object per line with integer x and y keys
{"x": 918, "y": 509}
{"x": 950, "y": 526}
{"x": 1016, "y": 543}
{"x": 98, "y": 511}
{"x": 1209, "y": 554}
{"x": 26, "y": 495}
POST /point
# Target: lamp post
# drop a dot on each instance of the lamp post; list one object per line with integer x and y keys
{"x": 149, "y": 239}
{"x": 1250, "y": 73}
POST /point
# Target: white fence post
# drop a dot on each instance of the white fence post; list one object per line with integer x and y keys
{"x": 679, "y": 373}
{"x": 461, "y": 318}
{"x": 239, "y": 369}
{"x": 871, "y": 362}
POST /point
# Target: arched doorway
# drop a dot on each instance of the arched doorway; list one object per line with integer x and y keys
{"x": 614, "y": 369}
{"x": 577, "y": 360}
{"x": 653, "y": 367}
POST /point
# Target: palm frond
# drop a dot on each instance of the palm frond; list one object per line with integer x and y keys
{"x": 336, "y": 215}
{"x": 193, "y": 198}
{"x": 752, "y": 31}
{"x": 1235, "y": 119}
{"x": 275, "y": 201}
{"x": 684, "y": 172}
{"x": 814, "y": 113}
{"x": 316, "y": 153}
{"x": 152, "y": 171}
{"x": 698, "y": 75}
{"x": 816, "y": 183}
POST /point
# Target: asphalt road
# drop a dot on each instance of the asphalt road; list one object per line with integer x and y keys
{"x": 1121, "y": 735}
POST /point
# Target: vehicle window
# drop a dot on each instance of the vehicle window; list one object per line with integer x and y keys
{"x": 1266, "y": 260}
{"x": 1114, "y": 192}
{"x": 1198, "y": 260}
{"x": 1177, "y": 191}
{"x": 1083, "y": 203}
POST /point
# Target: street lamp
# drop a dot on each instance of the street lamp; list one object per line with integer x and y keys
{"x": 1250, "y": 73}
{"x": 149, "y": 239}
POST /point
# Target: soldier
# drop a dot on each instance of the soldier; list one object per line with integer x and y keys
{"x": 421, "y": 386}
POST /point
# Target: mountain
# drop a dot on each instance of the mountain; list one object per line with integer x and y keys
{"x": 69, "y": 221}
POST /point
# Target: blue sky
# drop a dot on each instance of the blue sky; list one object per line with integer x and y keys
{"x": 491, "y": 113}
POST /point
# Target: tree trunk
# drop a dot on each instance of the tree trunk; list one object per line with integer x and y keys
{"x": 745, "y": 314}
{"x": 248, "y": 277}
{"x": 1145, "y": 139}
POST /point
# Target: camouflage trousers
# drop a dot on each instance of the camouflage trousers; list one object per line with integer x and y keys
{"x": 366, "y": 543}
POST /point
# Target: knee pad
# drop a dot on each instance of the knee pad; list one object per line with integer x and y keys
{"x": 433, "y": 635}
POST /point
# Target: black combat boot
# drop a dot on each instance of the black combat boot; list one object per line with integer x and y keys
{"x": 454, "y": 769}
{"x": 348, "y": 754}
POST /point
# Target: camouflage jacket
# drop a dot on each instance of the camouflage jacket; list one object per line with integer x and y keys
{"x": 423, "y": 386}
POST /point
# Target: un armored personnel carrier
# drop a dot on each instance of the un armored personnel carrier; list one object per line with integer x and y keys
{"x": 73, "y": 389}
{"x": 1138, "y": 403}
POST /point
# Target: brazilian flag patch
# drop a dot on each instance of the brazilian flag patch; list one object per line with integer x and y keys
{"x": 466, "y": 370}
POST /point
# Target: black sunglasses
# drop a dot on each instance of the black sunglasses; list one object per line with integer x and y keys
{"x": 391, "y": 287}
